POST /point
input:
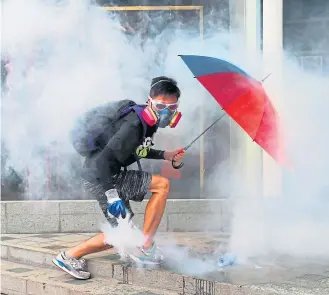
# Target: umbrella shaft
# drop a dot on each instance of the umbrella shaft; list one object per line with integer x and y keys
{"x": 194, "y": 140}
{"x": 266, "y": 77}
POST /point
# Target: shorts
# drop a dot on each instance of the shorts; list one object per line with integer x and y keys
{"x": 131, "y": 185}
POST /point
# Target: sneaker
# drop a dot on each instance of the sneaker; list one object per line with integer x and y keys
{"x": 147, "y": 256}
{"x": 75, "y": 267}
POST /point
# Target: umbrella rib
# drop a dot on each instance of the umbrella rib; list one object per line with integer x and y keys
{"x": 260, "y": 119}
{"x": 260, "y": 122}
{"x": 253, "y": 139}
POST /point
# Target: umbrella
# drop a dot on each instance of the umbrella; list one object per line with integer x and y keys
{"x": 243, "y": 98}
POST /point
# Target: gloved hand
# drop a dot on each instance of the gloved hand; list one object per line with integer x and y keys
{"x": 116, "y": 206}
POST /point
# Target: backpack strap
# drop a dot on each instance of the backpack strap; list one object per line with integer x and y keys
{"x": 138, "y": 109}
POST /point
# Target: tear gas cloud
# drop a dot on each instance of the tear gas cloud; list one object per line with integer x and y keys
{"x": 67, "y": 56}
{"x": 297, "y": 222}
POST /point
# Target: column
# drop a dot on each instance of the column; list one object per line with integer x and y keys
{"x": 247, "y": 160}
{"x": 253, "y": 152}
{"x": 273, "y": 58}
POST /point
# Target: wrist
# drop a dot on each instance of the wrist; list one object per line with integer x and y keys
{"x": 112, "y": 196}
{"x": 163, "y": 155}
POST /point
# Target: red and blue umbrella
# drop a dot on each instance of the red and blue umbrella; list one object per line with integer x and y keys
{"x": 243, "y": 98}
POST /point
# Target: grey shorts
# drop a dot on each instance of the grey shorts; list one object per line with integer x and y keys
{"x": 131, "y": 186}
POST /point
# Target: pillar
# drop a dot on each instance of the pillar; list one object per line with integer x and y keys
{"x": 246, "y": 161}
{"x": 253, "y": 48}
{"x": 273, "y": 58}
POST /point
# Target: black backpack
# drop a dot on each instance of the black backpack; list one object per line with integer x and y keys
{"x": 94, "y": 129}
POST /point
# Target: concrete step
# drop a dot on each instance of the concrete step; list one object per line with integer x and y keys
{"x": 108, "y": 267}
{"x": 19, "y": 279}
{"x": 39, "y": 250}
{"x": 288, "y": 276}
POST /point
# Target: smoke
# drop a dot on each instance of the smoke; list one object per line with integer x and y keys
{"x": 61, "y": 59}
{"x": 292, "y": 217}
{"x": 296, "y": 222}
{"x": 67, "y": 56}
{"x": 126, "y": 237}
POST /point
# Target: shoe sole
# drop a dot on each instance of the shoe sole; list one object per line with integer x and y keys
{"x": 55, "y": 261}
{"x": 135, "y": 259}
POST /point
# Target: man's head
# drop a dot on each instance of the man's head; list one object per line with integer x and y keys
{"x": 164, "y": 89}
{"x": 164, "y": 99}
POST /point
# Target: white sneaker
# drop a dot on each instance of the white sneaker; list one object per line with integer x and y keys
{"x": 147, "y": 256}
{"x": 75, "y": 267}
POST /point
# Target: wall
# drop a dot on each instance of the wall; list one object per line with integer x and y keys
{"x": 306, "y": 33}
{"x": 85, "y": 216}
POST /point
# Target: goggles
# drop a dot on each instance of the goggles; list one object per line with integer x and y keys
{"x": 162, "y": 106}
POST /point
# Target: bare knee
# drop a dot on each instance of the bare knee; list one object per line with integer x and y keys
{"x": 165, "y": 185}
{"x": 160, "y": 184}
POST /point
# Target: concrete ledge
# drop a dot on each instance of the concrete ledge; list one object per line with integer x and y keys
{"x": 25, "y": 217}
{"x": 21, "y": 279}
{"x": 16, "y": 279}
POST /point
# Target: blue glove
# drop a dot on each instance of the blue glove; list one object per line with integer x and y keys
{"x": 117, "y": 209}
{"x": 116, "y": 206}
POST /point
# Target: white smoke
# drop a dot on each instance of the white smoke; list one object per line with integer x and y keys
{"x": 296, "y": 222}
{"x": 67, "y": 56}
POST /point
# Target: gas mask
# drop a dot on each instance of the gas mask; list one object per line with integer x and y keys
{"x": 164, "y": 118}
{"x": 162, "y": 114}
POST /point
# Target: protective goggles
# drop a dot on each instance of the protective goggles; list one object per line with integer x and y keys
{"x": 162, "y": 106}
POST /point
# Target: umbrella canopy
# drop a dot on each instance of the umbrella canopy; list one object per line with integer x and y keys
{"x": 243, "y": 98}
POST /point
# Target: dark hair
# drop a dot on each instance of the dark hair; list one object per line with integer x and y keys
{"x": 164, "y": 86}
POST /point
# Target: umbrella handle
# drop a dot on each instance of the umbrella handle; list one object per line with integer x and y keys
{"x": 180, "y": 165}
{"x": 173, "y": 163}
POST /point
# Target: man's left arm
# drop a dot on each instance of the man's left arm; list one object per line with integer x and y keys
{"x": 155, "y": 154}
{"x": 177, "y": 154}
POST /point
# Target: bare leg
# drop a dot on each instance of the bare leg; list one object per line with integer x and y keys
{"x": 153, "y": 214}
{"x": 93, "y": 245}
{"x": 155, "y": 207}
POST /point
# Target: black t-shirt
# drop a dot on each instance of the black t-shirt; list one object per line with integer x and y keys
{"x": 121, "y": 151}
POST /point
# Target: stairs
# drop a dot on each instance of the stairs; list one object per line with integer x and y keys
{"x": 27, "y": 268}
{"x": 21, "y": 279}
